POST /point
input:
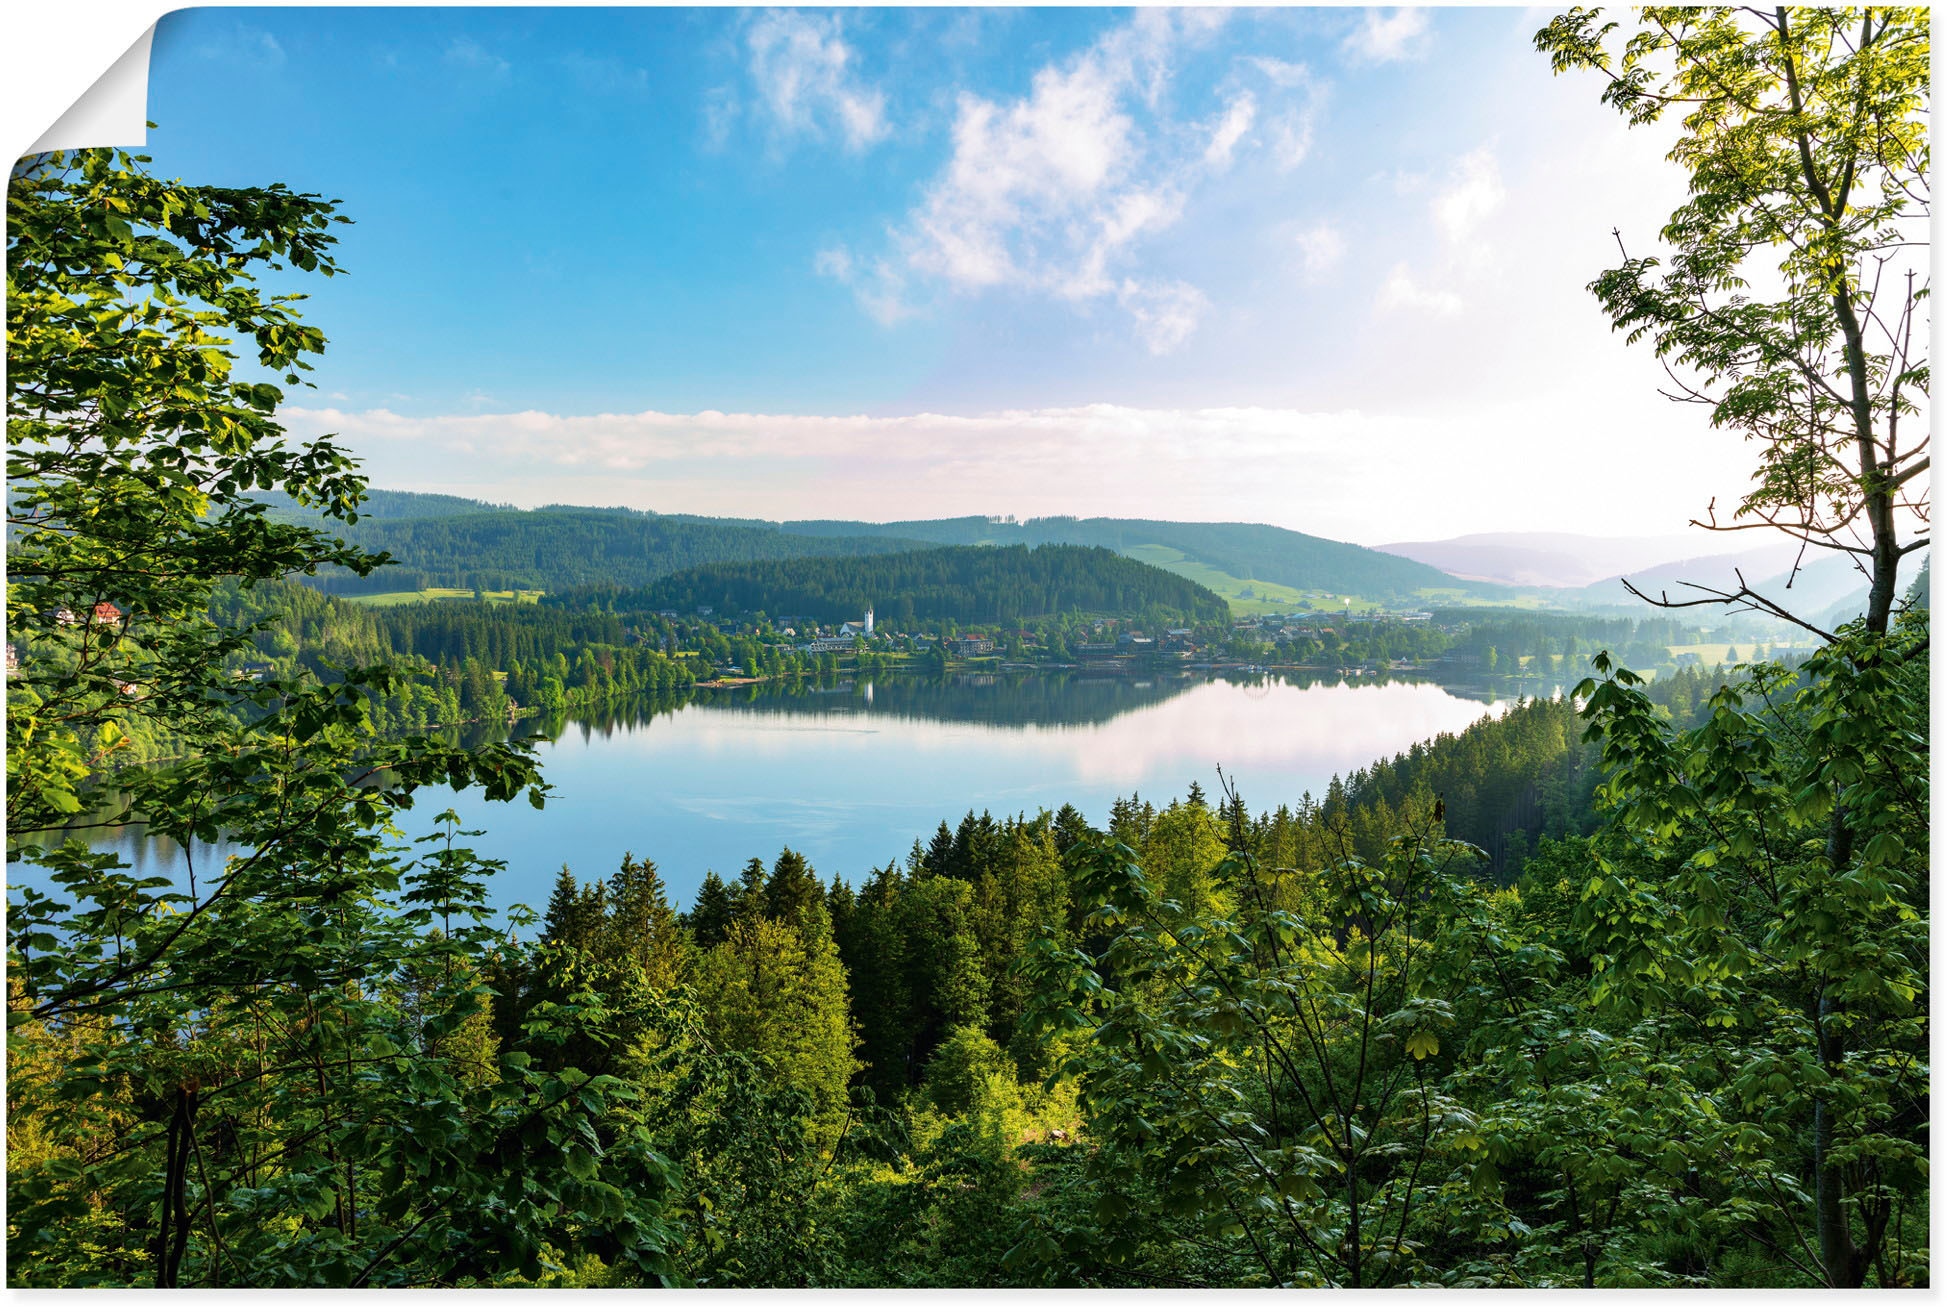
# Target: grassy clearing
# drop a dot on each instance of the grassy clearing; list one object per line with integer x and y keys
{"x": 1434, "y": 598}
{"x": 441, "y": 594}
{"x": 1246, "y": 596}
{"x": 1719, "y": 653}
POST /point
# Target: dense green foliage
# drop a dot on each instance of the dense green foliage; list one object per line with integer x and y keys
{"x": 1628, "y": 988}
{"x": 1259, "y": 551}
{"x": 971, "y": 585}
{"x": 272, "y": 1074}
{"x": 565, "y": 547}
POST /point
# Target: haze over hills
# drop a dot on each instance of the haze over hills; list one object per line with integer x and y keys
{"x": 1574, "y": 560}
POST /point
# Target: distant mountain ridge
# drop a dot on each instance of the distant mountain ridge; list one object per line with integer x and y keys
{"x": 444, "y": 541}
{"x": 1245, "y": 551}
{"x": 1575, "y": 560}
{"x": 494, "y": 548}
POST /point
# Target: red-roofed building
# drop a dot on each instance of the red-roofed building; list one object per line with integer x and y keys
{"x": 106, "y": 612}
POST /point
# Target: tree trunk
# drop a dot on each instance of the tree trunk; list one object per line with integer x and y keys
{"x": 1837, "y": 1253}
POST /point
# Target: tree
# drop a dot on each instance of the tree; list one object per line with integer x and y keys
{"x": 133, "y": 452}
{"x": 577, "y": 913}
{"x": 273, "y": 1073}
{"x": 1771, "y": 863}
{"x": 1272, "y": 1077}
{"x": 1732, "y": 915}
{"x": 778, "y": 993}
{"x": 1792, "y": 305}
{"x": 642, "y": 928}
{"x": 710, "y": 916}
{"x": 792, "y": 888}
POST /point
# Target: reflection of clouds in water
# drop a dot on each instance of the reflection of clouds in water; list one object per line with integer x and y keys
{"x": 1320, "y": 730}
{"x": 802, "y": 728}
{"x": 707, "y": 787}
{"x": 757, "y": 810}
{"x": 828, "y": 815}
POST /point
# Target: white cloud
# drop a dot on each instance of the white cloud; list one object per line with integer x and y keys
{"x": 834, "y": 262}
{"x": 1281, "y": 72}
{"x": 1292, "y": 135}
{"x": 805, "y": 77}
{"x": 466, "y": 53}
{"x": 242, "y": 44}
{"x": 879, "y": 287}
{"x": 1320, "y": 248}
{"x": 1055, "y": 191}
{"x": 1402, "y": 292}
{"x": 1347, "y": 474}
{"x": 1021, "y": 172}
{"x": 1237, "y": 120}
{"x": 1383, "y": 37}
{"x": 1165, "y": 313}
{"x": 1472, "y": 194}
{"x": 1292, "y": 127}
{"x": 720, "y": 109}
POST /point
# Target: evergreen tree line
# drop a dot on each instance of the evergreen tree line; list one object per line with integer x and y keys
{"x": 973, "y": 585}
{"x": 558, "y": 547}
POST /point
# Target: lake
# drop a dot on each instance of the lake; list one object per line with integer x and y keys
{"x": 852, "y": 774}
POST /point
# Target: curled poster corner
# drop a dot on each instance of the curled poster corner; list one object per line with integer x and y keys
{"x": 112, "y": 112}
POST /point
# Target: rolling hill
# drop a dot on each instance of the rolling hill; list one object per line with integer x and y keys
{"x": 1279, "y": 556}
{"x": 442, "y": 541}
{"x": 559, "y": 547}
{"x": 969, "y": 585}
{"x": 1575, "y": 560}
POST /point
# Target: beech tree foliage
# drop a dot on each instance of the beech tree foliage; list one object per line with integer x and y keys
{"x": 274, "y": 1072}
{"x": 1793, "y": 301}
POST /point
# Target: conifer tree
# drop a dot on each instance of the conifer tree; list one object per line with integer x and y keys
{"x": 577, "y": 913}
{"x": 642, "y": 928}
{"x": 710, "y": 914}
{"x": 792, "y": 889}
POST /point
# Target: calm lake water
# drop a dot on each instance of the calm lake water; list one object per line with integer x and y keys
{"x": 851, "y": 775}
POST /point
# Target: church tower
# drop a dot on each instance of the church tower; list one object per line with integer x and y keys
{"x": 868, "y": 621}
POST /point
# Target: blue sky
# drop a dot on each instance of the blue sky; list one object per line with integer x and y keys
{"x": 1317, "y": 267}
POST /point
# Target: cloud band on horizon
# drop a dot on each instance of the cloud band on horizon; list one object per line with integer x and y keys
{"x": 1349, "y": 474}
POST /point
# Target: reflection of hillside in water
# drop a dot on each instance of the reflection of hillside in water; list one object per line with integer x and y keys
{"x": 1005, "y": 700}
{"x": 1040, "y": 699}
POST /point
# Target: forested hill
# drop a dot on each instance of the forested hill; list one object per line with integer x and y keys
{"x": 969, "y": 585}
{"x": 558, "y": 547}
{"x": 445, "y": 541}
{"x": 1245, "y": 551}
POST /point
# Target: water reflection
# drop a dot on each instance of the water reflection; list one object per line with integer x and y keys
{"x": 852, "y": 773}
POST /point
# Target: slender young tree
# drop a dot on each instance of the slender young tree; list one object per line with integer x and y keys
{"x": 273, "y": 1073}
{"x": 1793, "y": 306}
{"x": 1792, "y": 303}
